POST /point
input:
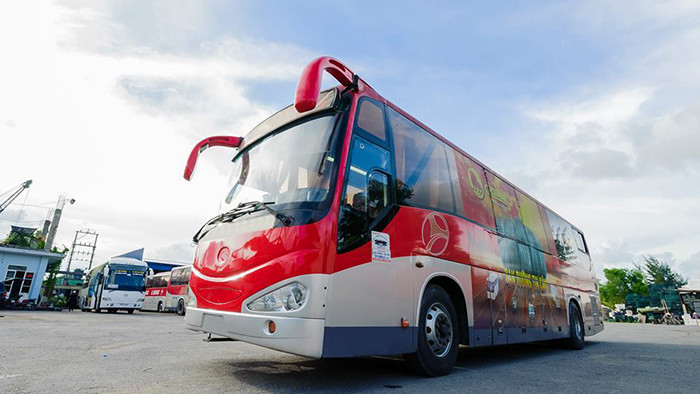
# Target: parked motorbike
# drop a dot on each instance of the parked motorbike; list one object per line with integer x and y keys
{"x": 21, "y": 301}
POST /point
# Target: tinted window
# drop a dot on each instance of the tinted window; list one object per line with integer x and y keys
{"x": 505, "y": 207}
{"x": 472, "y": 190}
{"x": 532, "y": 222}
{"x": 563, "y": 237}
{"x": 371, "y": 119}
{"x": 422, "y": 174}
{"x": 157, "y": 281}
{"x": 362, "y": 195}
{"x": 180, "y": 277}
{"x": 580, "y": 242}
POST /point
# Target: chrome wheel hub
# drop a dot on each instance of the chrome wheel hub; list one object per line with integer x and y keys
{"x": 438, "y": 329}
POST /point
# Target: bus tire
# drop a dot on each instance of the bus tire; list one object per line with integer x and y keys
{"x": 181, "y": 308}
{"x": 438, "y": 328}
{"x": 160, "y": 306}
{"x": 576, "y": 338}
{"x": 130, "y": 311}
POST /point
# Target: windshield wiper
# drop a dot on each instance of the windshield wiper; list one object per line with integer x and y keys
{"x": 256, "y": 205}
{"x": 242, "y": 209}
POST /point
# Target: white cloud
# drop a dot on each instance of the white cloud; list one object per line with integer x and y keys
{"x": 112, "y": 127}
{"x": 618, "y": 154}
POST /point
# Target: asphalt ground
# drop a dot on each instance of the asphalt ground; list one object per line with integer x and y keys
{"x": 152, "y": 352}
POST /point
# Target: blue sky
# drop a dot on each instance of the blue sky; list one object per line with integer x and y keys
{"x": 590, "y": 106}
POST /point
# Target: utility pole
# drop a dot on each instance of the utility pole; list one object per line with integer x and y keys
{"x": 56, "y": 218}
{"x": 84, "y": 243}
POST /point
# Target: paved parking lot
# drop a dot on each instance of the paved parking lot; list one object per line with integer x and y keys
{"x": 150, "y": 352}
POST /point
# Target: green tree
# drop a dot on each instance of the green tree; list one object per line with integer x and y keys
{"x": 52, "y": 271}
{"x": 620, "y": 282}
{"x": 34, "y": 241}
{"x": 658, "y": 272}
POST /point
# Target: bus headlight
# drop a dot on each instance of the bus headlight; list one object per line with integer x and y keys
{"x": 285, "y": 299}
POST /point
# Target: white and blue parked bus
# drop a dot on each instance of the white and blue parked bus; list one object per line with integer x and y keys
{"x": 119, "y": 284}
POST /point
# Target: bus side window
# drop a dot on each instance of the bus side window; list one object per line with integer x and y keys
{"x": 563, "y": 237}
{"x": 580, "y": 242}
{"x": 422, "y": 174}
{"x": 371, "y": 119}
{"x": 471, "y": 189}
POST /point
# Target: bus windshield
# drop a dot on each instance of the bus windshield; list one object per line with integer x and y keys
{"x": 126, "y": 277}
{"x": 291, "y": 166}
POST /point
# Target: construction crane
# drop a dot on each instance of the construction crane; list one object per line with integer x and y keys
{"x": 14, "y": 195}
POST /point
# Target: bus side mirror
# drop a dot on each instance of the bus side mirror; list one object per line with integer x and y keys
{"x": 227, "y": 141}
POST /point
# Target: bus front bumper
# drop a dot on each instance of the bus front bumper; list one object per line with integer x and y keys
{"x": 294, "y": 335}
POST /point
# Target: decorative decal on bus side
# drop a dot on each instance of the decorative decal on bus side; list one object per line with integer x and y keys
{"x": 381, "y": 247}
{"x": 476, "y": 184}
{"x": 435, "y": 234}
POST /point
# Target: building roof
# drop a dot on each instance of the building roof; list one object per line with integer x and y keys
{"x": 162, "y": 265}
{"x": 11, "y": 249}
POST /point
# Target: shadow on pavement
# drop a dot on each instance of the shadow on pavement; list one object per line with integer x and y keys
{"x": 372, "y": 373}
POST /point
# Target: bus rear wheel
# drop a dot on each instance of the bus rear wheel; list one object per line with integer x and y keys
{"x": 160, "y": 306}
{"x": 130, "y": 311}
{"x": 181, "y": 308}
{"x": 576, "y": 337}
{"x": 438, "y": 344}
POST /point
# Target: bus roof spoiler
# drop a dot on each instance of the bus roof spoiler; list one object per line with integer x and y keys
{"x": 309, "y": 86}
{"x": 227, "y": 141}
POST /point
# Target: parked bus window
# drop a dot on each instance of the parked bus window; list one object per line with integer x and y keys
{"x": 505, "y": 206}
{"x": 535, "y": 235}
{"x": 422, "y": 177}
{"x": 580, "y": 242}
{"x": 371, "y": 119}
{"x": 563, "y": 237}
{"x": 473, "y": 191}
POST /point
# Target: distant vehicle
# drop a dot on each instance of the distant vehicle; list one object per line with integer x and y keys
{"x": 156, "y": 291}
{"x": 167, "y": 291}
{"x": 176, "y": 298}
{"x": 119, "y": 284}
{"x": 464, "y": 257}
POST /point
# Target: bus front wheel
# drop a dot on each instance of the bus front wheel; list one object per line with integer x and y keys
{"x": 438, "y": 344}
{"x": 160, "y": 306}
{"x": 130, "y": 311}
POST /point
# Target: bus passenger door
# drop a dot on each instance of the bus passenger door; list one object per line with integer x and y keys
{"x": 363, "y": 237}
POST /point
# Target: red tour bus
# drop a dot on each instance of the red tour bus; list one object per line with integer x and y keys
{"x": 167, "y": 291}
{"x": 352, "y": 229}
{"x": 156, "y": 292}
{"x": 176, "y": 299}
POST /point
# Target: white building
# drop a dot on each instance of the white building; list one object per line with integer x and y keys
{"x": 22, "y": 269}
